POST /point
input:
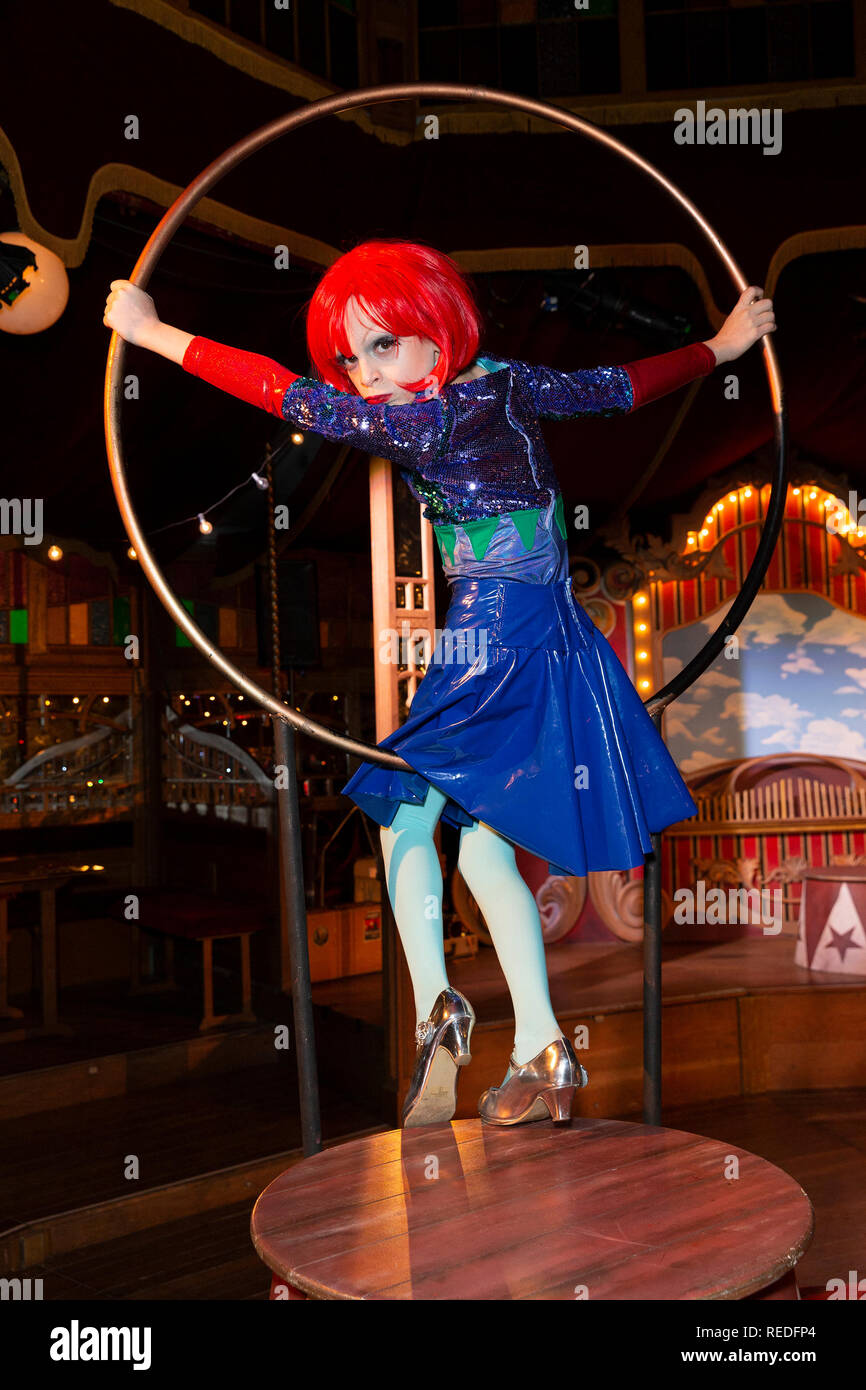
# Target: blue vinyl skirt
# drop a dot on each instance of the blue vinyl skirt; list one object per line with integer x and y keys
{"x": 526, "y": 720}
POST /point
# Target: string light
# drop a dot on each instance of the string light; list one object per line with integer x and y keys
{"x": 54, "y": 552}
{"x": 131, "y": 553}
{"x": 205, "y": 526}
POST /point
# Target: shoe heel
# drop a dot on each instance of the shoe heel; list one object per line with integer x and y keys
{"x": 559, "y": 1102}
{"x": 456, "y": 1038}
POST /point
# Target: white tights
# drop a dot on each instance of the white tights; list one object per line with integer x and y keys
{"x": 487, "y": 863}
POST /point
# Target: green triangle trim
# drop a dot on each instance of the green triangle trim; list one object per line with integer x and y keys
{"x": 559, "y": 516}
{"x": 480, "y": 534}
{"x": 525, "y": 523}
{"x": 447, "y": 538}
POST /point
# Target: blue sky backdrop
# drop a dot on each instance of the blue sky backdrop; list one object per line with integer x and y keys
{"x": 798, "y": 685}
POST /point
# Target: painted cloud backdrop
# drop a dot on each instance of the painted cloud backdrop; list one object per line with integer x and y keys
{"x": 798, "y": 685}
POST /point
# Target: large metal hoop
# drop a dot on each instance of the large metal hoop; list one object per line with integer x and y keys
{"x": 331, "y": 106}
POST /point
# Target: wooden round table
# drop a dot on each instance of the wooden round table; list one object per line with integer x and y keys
{"x": 599, "y": 1209}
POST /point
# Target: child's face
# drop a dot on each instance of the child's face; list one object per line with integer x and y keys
{"x": 380, "y": 362}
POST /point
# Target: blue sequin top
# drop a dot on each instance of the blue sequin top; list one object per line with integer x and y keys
{"x": 476, "y": 450}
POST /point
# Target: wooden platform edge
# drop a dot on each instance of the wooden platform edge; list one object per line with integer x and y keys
{"x": 121, "y": 1073}
{"x": 33, "y": 1242}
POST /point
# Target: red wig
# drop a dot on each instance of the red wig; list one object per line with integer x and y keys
{"x": 410, "y": 290}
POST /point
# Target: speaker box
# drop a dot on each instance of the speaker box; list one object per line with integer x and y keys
{"x": 299, "y": 614}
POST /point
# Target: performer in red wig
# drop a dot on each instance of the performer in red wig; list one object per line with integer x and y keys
{"x": 525, "y": 730}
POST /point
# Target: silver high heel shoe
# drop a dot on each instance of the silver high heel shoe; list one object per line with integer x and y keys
{"x": 442, "y": 1043}
{"x": 545, "y": 1086}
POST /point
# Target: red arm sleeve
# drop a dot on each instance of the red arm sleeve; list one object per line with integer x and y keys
{"x": 258, "y": 380}
{"x": 402, "y": 433}
{"x": 652, "y": 377}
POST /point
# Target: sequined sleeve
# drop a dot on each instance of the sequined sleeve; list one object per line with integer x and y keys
{"x": 615, "y": 390}
{"x": 408, "y": 434}
{"x": 404, "y": 433}
{"x": 588, "y": 391}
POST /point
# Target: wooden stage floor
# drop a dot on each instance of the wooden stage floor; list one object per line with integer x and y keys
{"x": 819, "y": 1139}
{"x": 607, "y": 977}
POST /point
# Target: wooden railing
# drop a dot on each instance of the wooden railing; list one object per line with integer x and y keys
{"x": 789, "y": 799}
{"x": 86, "y": 779}
{"x": 207, "y": 772}
{"x": 92, "y": 778}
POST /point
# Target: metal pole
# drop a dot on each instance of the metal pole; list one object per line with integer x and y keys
{"x": 293, "y": 906}
{"x": 652, "y": 975}
{"x": 292, "y": 874}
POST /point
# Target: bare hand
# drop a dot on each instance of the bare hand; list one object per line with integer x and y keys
{"x": 751, "y": 318}
{"x": 129, "y": 311}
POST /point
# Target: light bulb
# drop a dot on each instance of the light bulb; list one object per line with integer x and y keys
{"x": 45, "y": 290}
{"x": 54, "y": 552}
{"x": 204, "y": 525}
